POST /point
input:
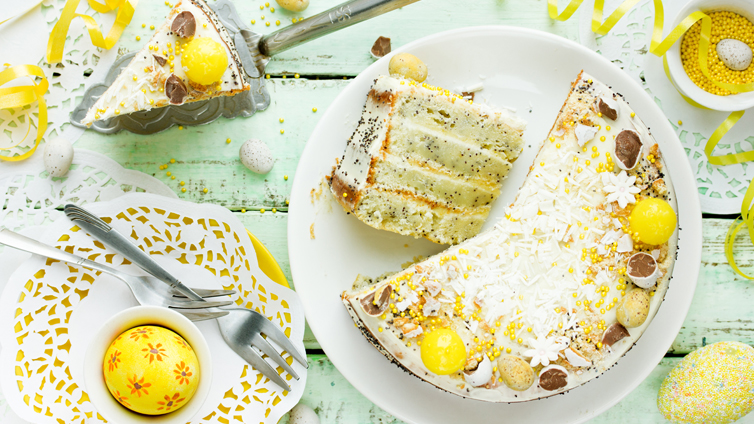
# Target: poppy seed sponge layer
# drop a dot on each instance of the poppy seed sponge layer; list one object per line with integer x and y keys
{"x": 424, "y": 162}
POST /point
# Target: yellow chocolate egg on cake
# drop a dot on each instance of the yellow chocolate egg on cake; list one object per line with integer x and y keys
{"x": 204, "y": 61}
{"x": 151, "y": 370}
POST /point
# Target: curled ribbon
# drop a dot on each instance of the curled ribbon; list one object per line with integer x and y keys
{"x": 59, "y": 32}
{"x": 660, "y": 47}
{"x": 13, "y": 97}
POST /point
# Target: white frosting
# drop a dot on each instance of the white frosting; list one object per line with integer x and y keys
{"x": 585, "y": 133}
{"x": 575, "y": 359}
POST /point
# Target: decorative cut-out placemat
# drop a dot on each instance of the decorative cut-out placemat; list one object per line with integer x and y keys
{"x": 49, "y": 310}
{"x": 721, "y": 188}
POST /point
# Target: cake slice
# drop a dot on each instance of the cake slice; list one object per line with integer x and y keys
{"x": 425, "y": 162}
{"x": 191, "y": 57}
{"x": 560, "y": 288}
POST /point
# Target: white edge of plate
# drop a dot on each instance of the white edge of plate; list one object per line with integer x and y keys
{"x": 673, "y": 155}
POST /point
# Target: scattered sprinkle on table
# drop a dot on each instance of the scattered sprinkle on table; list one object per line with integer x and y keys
{"x": 314, "y": 109}
{"x": 227, "y": 141}
{"x": 272, "y": 9}
{"x": 180, "y": 127}
{"x": 183, "y": 190}
{"x": 172, "y": 177}
{"x": 287, "y": 202}
{"x": 680, "y": 122}
{"x": 277, "y": 22}
{"x": 274, "y": 210}
{"x": 183, "y": 183}
{"x": 285, "y": 177}
{"x": 261, "y": 210}
{"x": 172, "y": 160}
{"x": 262, "y": 17}
{"x": 243, "y": 210}
{"x": 282, "y": 131}
{"x": 138, "y": 38}
{"x": 267, "y": 24}
{"x": 296, "y": 76}
{"x": 143, "y": 25}
{"x": 151, "y": 27}
{"x": 253, "y": 21}
{"x": 261, "y": 7}
{"x": 266, "y": 4}
{"x": 267, "y": 76}
{"x": 168, "y": 173}
{"x": 205, "y": 189}
{"x": 281, "y": 120}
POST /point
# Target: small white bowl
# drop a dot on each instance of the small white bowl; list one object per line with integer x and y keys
{"x": 94, "y": 379}
{"x": 730, "y": 103}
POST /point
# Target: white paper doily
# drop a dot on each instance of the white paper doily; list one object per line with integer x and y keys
{"x": 31, "y": 197}
{"x": 721, "y": 188}
{"x": 48, "y": 309}
{"x": 24, "y": 41}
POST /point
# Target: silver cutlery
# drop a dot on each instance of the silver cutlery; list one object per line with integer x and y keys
{"x": 100, "y": 230}
{"x": 147, "y": 290}
{"x": 241, "y": 328}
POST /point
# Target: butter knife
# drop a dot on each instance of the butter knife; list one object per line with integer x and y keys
{"x": 100, "y": 230}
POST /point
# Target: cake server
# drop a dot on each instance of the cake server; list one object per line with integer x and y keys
{"x": 262, "y": 47}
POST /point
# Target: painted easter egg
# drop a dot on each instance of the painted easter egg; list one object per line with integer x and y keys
{"x": 151, "y": 370}
{"x": 714, "y": 384}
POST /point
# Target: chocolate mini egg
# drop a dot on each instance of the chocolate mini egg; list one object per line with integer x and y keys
{"x": 151, "y": 370}
{"x": 58, "y": 156}
{"x": 256, "y": 156}
{"x": 735, "y": 54}
{"x": 714, "y": 384}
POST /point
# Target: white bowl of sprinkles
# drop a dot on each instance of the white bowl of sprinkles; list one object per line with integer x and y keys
{"x": 683, "y": 82}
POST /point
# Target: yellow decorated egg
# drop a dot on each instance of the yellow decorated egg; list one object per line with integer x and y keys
{"x": 714, "y": 384}
{"x": 151, "y": 370}
{"x": 204, "y": 60}
{"x": 653, "y": 220}
{"x": 443, "y": 351}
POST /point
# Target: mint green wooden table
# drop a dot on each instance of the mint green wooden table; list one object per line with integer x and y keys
{"x": 722, "y": 305}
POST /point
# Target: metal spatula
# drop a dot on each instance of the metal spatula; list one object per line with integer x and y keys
{"x": 262, "y": 47}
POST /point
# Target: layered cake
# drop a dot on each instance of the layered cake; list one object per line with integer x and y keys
{"x": 560, "y": 288}
{"x": 425, "y": 162}
{"x": 191, "y": 57}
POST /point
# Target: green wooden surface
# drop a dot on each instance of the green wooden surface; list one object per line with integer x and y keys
{"x": 721, "y": 307}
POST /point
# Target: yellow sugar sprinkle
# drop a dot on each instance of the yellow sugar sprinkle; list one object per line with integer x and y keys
{"x": 314, "y": 109}
{"x": 205, "y": 189}
{"x": 183, "y": 190}
{"x": 227, "y": 141}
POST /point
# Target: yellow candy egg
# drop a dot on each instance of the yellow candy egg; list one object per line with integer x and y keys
{"x": 204, "y": 60}
{"x": 151, "y": 370}
{"x": 654, "y": 220}
{"x": 443, "y": 351}
{"x": 714, "y": 384}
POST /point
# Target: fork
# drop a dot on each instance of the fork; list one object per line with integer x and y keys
{"x": 147, "y": 290}
{"x": 241, "y": 328}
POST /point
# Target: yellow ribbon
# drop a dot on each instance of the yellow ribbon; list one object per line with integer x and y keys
{"x": 32, "y": 6}
{"x": 59, "y": 32}
{"x": 13, "y": 97}
{"x": 660, "y": 47}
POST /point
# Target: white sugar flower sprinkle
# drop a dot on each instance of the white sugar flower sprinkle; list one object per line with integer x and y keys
{"x": 621, "y": 189}
{"x": 544, "y": 350}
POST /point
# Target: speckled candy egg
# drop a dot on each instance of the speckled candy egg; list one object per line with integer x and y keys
{"x": 735, "y": 54}
{"x": 302, "y": 414}
{"x": 58, "y": 156}
{"x": 151, "y": 370}
{"x": 714, "y": 384}
{"x": 256, "y": 156}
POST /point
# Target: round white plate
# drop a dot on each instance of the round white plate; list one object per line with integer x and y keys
{"x": 532, "y": 72}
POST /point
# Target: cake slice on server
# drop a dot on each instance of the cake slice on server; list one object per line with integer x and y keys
{"x": 425, "y": 162}
{"x": 191, "y": 57}
{"x": 560, "y": 288}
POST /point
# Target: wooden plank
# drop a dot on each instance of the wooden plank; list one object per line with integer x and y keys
{"x": 336, "y": 401}
{"x": 721, "y": 309}
{"x": 346, "y": 52}
{"x": 204, "y": 159}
